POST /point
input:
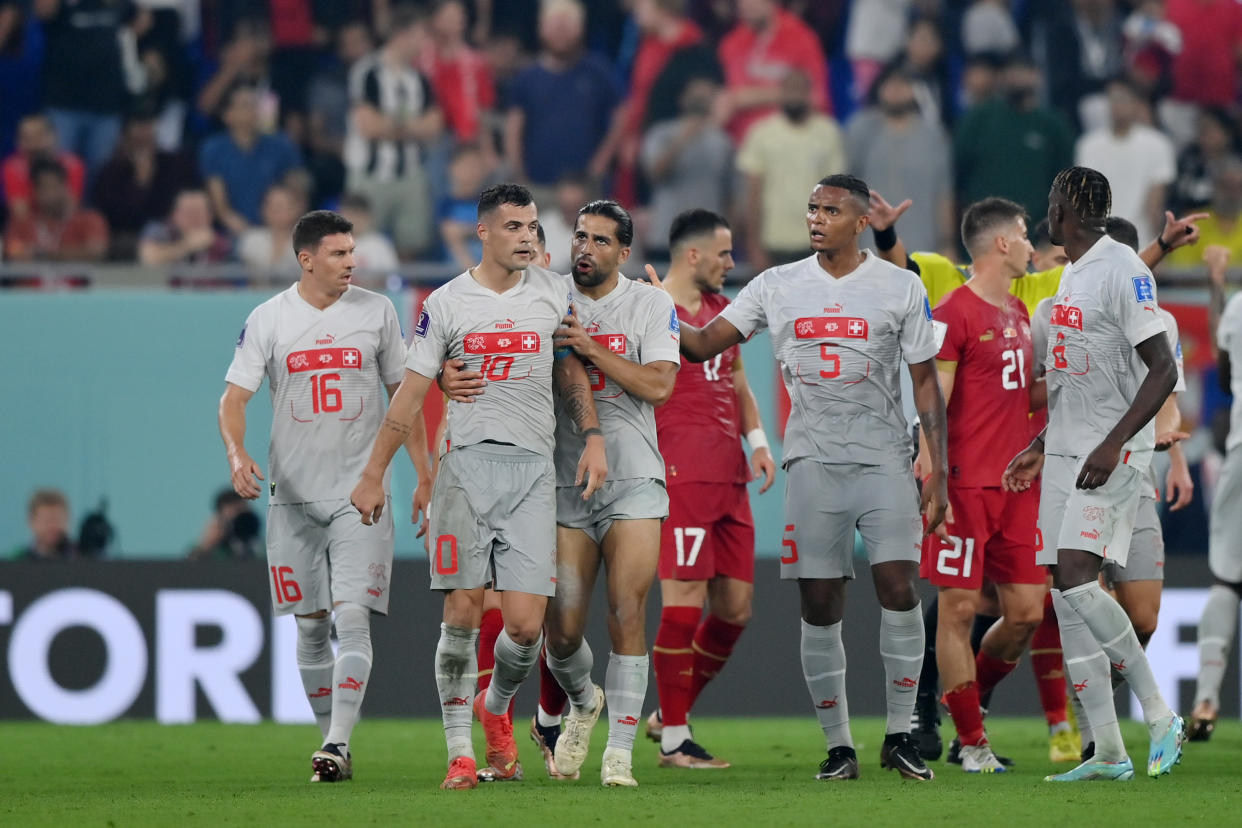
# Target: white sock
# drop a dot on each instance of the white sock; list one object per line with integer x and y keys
{"x": 672, "y": 736}
{"x": 902, "y": 644}
{"x": 1217, "y": 628}
{"x": 1087, "y": 666}
{"x": 457, "y": 670}
{"x": 1080, "y": 713}
{"x": 546, "y": 719}
{"x": 625, "y": 688}
{"x": 823, "y": 667}
{"x": 352, "y": 671}
{"x": 573, "y": 674}
{"x": 1111, "y": 627}
{"x": 513, "y": 664}
{"x": 315, "y": 662}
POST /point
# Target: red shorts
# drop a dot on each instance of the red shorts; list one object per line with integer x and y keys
{"x": 709, "y": 532}
{"x": 992, "y": 536}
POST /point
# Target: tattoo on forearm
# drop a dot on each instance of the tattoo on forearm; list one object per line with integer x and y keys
{"x": 577, "y": 402}
{"x": 396, "y": 425}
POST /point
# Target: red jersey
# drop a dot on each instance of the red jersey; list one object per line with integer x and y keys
{"x": 698, "y": 429}
{"x": 988, "y": 410}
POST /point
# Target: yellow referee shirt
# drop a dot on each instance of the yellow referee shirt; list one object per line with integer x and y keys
{"x": 940, "y": 275}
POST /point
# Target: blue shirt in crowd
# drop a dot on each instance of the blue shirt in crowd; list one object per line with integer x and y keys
{"x": 247, "y": 175}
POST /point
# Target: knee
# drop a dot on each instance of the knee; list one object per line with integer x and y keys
{"x": 629, "y": 612}
{"x": 1025, "y": 618}
{"x": 523, "y": 635}
{"x": 1144, "y": 622}
{"x": 562, "y": 644}
{"x": 738, "y": 616}
{"x": 898, "y": 595}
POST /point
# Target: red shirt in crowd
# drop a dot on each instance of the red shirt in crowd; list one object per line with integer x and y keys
{"x": 18, "y": 190}
{"x": 1206, "y": 71}
{"x": 83, "y": 235}
{"x": 464, "y": 90}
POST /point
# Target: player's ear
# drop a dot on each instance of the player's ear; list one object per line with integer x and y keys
{"x": 305, "y": 260}
{"x": 625, "y": 256}
{"x": 480, "y": 230}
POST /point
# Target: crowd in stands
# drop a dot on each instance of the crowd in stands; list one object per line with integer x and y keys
{"x": 196, "y": 131}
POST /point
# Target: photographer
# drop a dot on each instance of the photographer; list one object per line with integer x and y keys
{"x": 232, "y": 531}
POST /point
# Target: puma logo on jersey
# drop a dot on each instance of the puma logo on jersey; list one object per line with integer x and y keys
{"x": 506, "y": 325}
{"x": 328, "y": 339}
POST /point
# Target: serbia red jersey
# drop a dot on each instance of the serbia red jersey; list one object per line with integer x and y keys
{"x": 988, "y": 410}
{"x": 698, "y": 428}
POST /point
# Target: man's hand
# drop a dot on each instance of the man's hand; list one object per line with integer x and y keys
{"x": 653, "y": 278}
{"x": 422, "y": 507}
{"x": 1216, "y": 256}
{"x": 1098, "y": 466}
{"x": 1023, "y": 469}
{"x": 762, "y": 465}
{"x": 460, "y": 386}
{"x": 368, "y": 498}
{"x": 1179, "y": 232}
{"x": 885, "y": 215}
{"x": 1179, "y": 488}
{"x": 571, "y": 334}
{"x": 1168, "y": 439}
{"x": 592, "y": 466}
{"x": 934, "y": 503}
{"x": 243, "y": 473}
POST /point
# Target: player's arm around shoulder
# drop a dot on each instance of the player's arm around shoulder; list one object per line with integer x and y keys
{"x": 701, "y": 344}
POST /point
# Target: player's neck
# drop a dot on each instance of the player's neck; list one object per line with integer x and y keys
{"x": 680, "y": 286}
{"x": 841, "y": 262}
{"x": 316, "y": 297}
{"x": 990, "y": 284}
{"x": 1079, "y": 241}
{"x": 493, "y": 277}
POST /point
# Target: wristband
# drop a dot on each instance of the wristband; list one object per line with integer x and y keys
{"x": 757, "y": 439}
{"x": 590, "y": 432}
{"x": 886, "y": 239}
{"x": 1164, "y": 245}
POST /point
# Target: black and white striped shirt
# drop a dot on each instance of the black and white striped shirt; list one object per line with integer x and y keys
{"x": 398, "y": 92}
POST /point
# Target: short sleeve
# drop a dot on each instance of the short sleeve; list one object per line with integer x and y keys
{"x": 746, "y": 312}
{"x": 249, "y": 364}
{"x": 392, "y": 347}
{"x": 661, "y": 331}
{"x": 947, "y": 314}
{"x": 1227, "y": 332}
{"x": 1134, "y": 301}
{"x": 918, "y": 341}
{"x": 1041, "y": 322}
{"x": 429, "y": 344}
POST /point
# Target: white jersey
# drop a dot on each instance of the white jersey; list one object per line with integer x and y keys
{"x": 506, "y": 336}
{"x": 326, "y": 370}
{"x": 840, "y": 343}
{"x": 1104, "y": 307}
{"x": 1229, "y": 340}
{"x": 638, "y": 322}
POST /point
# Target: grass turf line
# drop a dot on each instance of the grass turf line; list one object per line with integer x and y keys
{"x": 141, "y": 773}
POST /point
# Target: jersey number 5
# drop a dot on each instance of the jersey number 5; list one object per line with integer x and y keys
{"x": 834, "y": 362}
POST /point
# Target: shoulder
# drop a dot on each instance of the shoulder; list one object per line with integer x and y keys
{"x": 365, "y": 298}
{"x": 651, "y": 296}
{"x": 714, "y": 302}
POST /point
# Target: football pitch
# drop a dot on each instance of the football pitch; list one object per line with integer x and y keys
{"x": 138, "y": 773}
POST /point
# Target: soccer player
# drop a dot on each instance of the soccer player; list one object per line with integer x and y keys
{"x": 985, "y": 369}
{"x": 707, "y": 545}
{"x": 326, "y": 348}
{"x": 1110, "y": 370}
{"x": 841, "y": 320}
{"x": 494, "y": 492}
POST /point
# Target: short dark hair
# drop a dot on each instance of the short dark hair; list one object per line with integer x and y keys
{"x": 852, "y": 183}
{"x": 505, "y": 193}
{"x": 315, "y": 225}
{"x": 1086, "y": 191}
{"x": 47, "y": 166}
{"x": 693, "y": 223}
{"x": 988, "y": 215}
{"x": 1041, "y": 235}
{"x": 608, "y": 208}
{"x": 1122, "y": 230}
{"x": 542, "y": 236}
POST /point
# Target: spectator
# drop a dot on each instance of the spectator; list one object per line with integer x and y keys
{"x": 988, "y": 29}
{"x": 1010, "y": 146}
{"x": 981, "y": 81}
{"x": 874, "y": 36}
{"x": 1151, "y": 43}
{"x": 1216, "y": 140}
{"x": 240, "y": 163}
{"x": 458, "y": 210}
{"x": 895, "y": 149}
{"x": 231, "y": 533}
{"x": 327, "y": 110}
{"x": 84, "y": 78}
{"x": 571, "y": 192}
{"x": 782, "y": 157}
{"x": 1083, "y": 52}
{"x": 923, "y": 62}
{"x": 1138, "y": 160}
{"x": 1223, "y": 225}
{"x": 393, "y": 117}
{"x": 564, "y": 86}
{"x": 36, "y": 140}
{"x": 47, "y": 515}
{"x": 269, "y": 249}
{"x": 373, "y": 252}
{"x": 1205, "y": 72}
{"x": 138, "y": 184}
{"x": 244, "y": 61}
{"x": 188, "y": 236}
{"x": 56, "y": 229}
{"x": 766, "y": 44}
{"x": 689, "y": 163}
{"x": 461, "y": 79}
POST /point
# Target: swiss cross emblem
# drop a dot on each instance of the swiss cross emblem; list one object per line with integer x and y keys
{"x": 856, "y": 327}
{"x": 616, "y": 344}
{"x": 529, "y": 342}
{"x": 1073, "y": 317}
{"x": 350, "y": 358}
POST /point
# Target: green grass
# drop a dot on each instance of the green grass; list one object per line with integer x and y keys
{"x": 135, "y": 773}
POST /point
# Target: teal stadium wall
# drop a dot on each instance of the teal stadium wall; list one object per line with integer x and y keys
{"x": 113, "y": 395}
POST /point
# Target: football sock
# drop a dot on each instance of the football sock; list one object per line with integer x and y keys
{"x": 489, "y": 629}
{"x": 1111, "y": 627}
{"x": 573, "y": 674}
{"x": 1216, "y": 631}
{"x": 352, "y": 671}
{"x": 1087, "y": 666}
{"x": 552, "y": 698}
{"x": 456, "y": 672}
{"x": 901, "y": 646}
{"x": 673, "y": 659}
{"x": 625, "y": 688}
{"x": 823, "y": 667}
{"x": 963, "y": 704}
{"x": 315, "y": 663}
{"x": 978, "y": 629}
{"x": 1080, "y": 714}
{"x": 929, "y": 676}
{"x": 1048, "y": 667}
{"x": 513, "y": 664}
{"x": 989, "y": 670}
{"x": 713, "y": 644}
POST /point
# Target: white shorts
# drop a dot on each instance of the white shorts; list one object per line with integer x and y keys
{"x": 320, "y": 554}
{"x": 1146, "y": 559}
{"x": 1099, "y": 521}
{"x": 1225, "y": 537}
{"x": 632, "y": 499}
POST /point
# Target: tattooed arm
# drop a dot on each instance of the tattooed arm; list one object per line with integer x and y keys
{"x": 404, "y": 410}
{"x": 571, "y": 380}
{"x": 929, "y": 401}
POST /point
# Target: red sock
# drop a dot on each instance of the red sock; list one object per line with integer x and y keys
{"x": 713, "y": 644}
{"x": 489, "y": 631}
{"x": 963, "y": 704}
{"x": 989, "y": 671}
{"x": 551, "y": 697}
{"x": 1049, "y": 667}
{"x": 673, "y": 661}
